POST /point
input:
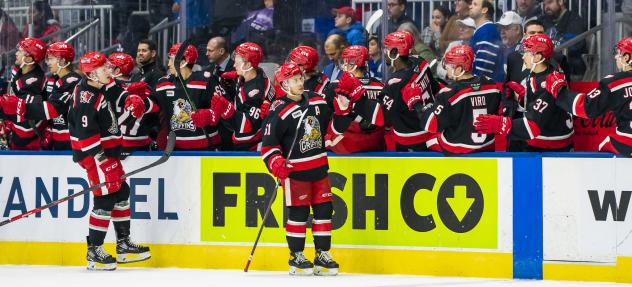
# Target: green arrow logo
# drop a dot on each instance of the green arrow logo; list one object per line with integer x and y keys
{"x": 460, "y": 203}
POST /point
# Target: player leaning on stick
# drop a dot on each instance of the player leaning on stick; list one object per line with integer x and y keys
{"x": 614, "y": 93}
{"x": 95, "y": 140}
{"x": 294, "y": 151}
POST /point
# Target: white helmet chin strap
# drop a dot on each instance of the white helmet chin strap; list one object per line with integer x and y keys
{"x": 392, "y": 59}
{"x": 623, "y": 64}
{"x": 95, "y": 78}
{"x": 59, "y": 67}
{"x": 535, "y": 64}
{"x": 182, "y": 65}
{"x": 24, "y": 63}
{"x": 241, "y": 68}
{"x": 457, "y": 77}
{"x": 287, "y": 91}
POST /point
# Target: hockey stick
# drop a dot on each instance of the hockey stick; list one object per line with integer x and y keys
{"x": 276, "y": 187}
{"x": 372, "y": 20}
{"x": 176, "y": 63}
{"x": 171, "y": 142}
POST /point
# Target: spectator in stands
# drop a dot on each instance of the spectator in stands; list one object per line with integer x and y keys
{"x": 149, "y": 68}
{"x": 218, "y": 56}
{"x": 431, "y": 35}
{"x": 347, "y": 26}
{"x": 514, "y": 60}
{"x": 510, "y": 25}
{"x": 397, "y": 14}
{"x": 419, "y": 48}
{"x": 9, "y": 35}
{"x": 486, "y": 42}
{"x": 257, "y": 26}
{"x": 137, "y": 29}
{"x": 197, "y": 17}
{"x": 43, "y": 22}
{"x": 333, "y": 48}
{"x": 466, "y": 29}
{"x": 375, "y": 57}
{"x": 528, "y": 9}
{"x": 562, "y": 25}
{"x": 451, "y": 31}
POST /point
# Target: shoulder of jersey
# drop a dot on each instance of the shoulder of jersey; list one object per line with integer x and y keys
{"x": 277, "y": 105}
{"x": 165, "y": 78}
{"x": 199, "y": 75}
{"x": 72, "y": 78}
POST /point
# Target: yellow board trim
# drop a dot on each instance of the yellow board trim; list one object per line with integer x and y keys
{"x": 352, "y": 260}
{"x": 619, "y": 272}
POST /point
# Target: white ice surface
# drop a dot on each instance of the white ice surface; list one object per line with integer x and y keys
{"x": 32, "y": 276}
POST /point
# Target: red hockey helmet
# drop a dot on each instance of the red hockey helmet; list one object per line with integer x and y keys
{"x": 123, "y": 61}
{"x": 287, "y": 71}
{"x": 460, "y": 56}
{"x": 91, "y": 61}
{"x": 61, "y": 50}
{"x": 190, "y": 54}
{"x": 625, "y": 46}
{"x": 539, "y": 43}
{"x": 305, "y": 56}
{"x": 357, "y": 55}
{"x": 402, "y": 41}
{"x": 251, "y": 52}
{"x": 34, "y": 48}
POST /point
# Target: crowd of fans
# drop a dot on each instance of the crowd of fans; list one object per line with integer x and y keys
{"x": 496, "y": 40}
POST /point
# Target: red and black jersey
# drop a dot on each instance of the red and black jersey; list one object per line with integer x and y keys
{"x": 31, "y": 88}
{"x": 246, "y": 121}
{"x": 176, "y": 109}
{"x": 309, "y": 156}
{"x": 317, "y": 83}
{"x": 408, "y": 133}
{"x": 135, "y": 131}
{"x": 92, "y": 123}
{"x": 614, "y": 93}
{"x": 55, "y": 108}
{"x": 454, "y": 111}
{"x": 367, "y": 111}
{"x": 544, "y": 125}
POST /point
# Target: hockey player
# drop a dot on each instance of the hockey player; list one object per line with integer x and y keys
{"x": 243, "y": 114}
{"x": 134, "y": 127}
{"x": 294, "y": 152}
{"x": 28, "y": 83}
{"x": 95, "y": 140}
{"x": 358, "y": 96}
{"x": 60, "y": 86}
{"x": 457, "y": 105}
{"x": 612, "y": 94}
{"x": 306, "y": 58}
{"x": 544, "y": 126}
{"x": 176, "y": 106}
{"x": 122, "y": 66}
{"x": 409, "y": 136}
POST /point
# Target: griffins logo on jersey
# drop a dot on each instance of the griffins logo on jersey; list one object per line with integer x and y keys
{"x": 181, "y": 118}
{"x": 312, "y": 137}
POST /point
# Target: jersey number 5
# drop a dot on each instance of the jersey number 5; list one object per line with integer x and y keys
{"x": 476, "y": 137}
